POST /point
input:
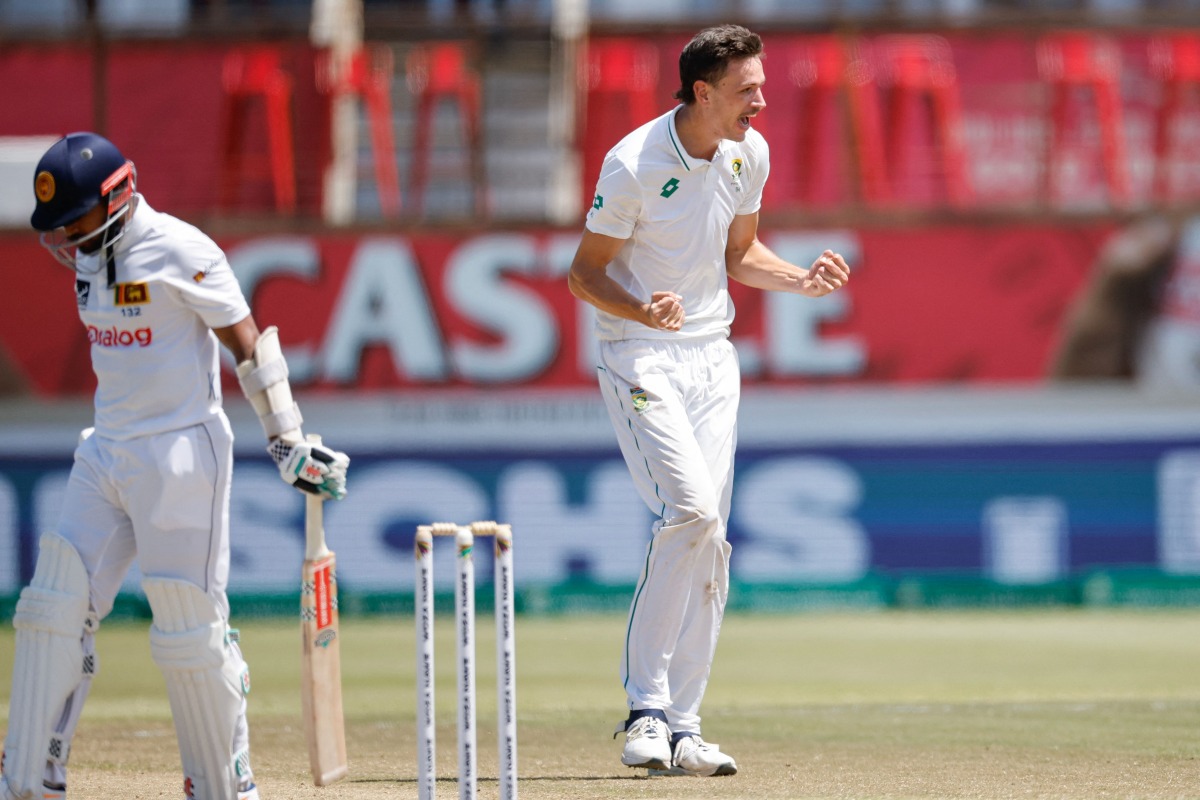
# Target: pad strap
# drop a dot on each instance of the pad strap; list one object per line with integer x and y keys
{"x": 279, "y": 423}
{"x": 262, "y": 376}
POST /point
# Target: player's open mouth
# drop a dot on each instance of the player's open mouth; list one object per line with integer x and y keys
{"x": 744, "y": 121}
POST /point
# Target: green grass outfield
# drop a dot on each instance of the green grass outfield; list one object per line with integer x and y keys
{"x": 940, "y": 704}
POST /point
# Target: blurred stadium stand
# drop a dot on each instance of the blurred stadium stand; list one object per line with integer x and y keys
{"x": 986, "y": 74}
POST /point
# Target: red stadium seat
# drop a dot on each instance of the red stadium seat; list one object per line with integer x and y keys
{"x": 368, "y": 75}
{"x": 618, "y": 81}
{"x": 881, "y": 82}
{"x": 918, "y": 71}
{"x": 1175, "y": 62}
{"x": 827, "y": 70}
{"x": 1077, "y": 60}
{"x": 247, "y": 74}
{"x": 438, "y": 71}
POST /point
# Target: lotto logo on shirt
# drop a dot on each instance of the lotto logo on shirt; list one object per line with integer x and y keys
{"x": 116, "y": 337}
{"x": 131, "y": 294}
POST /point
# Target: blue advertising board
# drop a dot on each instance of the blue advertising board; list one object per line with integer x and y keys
{"x": 1033, "y": 494}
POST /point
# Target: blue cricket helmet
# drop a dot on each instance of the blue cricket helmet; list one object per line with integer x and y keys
{"x": 74, "y": 176}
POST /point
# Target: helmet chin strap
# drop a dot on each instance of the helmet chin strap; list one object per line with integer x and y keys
{"x": 110, "y": 261}
{"x": 109, "y": 246}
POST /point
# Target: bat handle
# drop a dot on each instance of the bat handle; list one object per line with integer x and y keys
{"x": 313, "y": 505}
{"x": 314, "y": 517}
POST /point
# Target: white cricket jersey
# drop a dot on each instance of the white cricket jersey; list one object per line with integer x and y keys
{"x": 675, "y": 211}
{"x": 153, "y": 350}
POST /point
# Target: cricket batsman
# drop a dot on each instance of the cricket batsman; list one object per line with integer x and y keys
{"x": 151, "y": 477}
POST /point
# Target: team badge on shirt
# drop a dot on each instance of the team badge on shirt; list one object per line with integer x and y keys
{"x": 736, "y": 167}
{"x": 640, "y": 401}
{"x": 83, "y": 290}
{"x": 131, "y": 294}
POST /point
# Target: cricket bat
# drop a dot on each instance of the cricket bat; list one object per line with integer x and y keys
{"x": 321, "y": 663}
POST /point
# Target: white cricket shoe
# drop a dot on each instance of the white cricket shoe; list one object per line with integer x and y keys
{"x": 647, "y": 743}
{"x": 249, "y": 793}
{"x": 47, "y": 792}
{"x": 694, "y": 756}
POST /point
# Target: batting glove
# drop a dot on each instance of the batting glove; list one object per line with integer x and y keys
{"x": 311, "y": 468}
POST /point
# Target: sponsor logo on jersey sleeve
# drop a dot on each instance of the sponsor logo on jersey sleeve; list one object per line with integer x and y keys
{"x": 202, "y": 274}
{"x": 131, "y": 294}
{"x": 597, "y": 207}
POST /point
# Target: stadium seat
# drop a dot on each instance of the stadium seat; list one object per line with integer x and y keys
{"x": 917, "y": 71}
{"x": 827, "y": 71}
{"x": 1175, "y": 63}
{"x": 1077, "y": 60}
{"x": 618, "y": 81}
{"x": 438, "y": 71}
{"x": 368, "y": 76}
{"x": 257, "y": 72}
{"x": 882, "y": 82}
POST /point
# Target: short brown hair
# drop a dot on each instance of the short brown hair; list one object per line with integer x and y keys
{"x": 707, "y": 56}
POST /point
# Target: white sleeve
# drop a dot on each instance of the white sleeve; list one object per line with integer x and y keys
{"x": 206, "y": 284}
{"x": 618, "y": 201}
{"x": 759, "y": 167}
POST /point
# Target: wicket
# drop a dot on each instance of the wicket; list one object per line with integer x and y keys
{"x": 464, "y": 613}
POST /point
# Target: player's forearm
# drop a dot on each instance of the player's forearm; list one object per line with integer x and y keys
{"x": 239, "y": 338}
{"x": 758, "y": 267}
{"x": 609, "y": 296}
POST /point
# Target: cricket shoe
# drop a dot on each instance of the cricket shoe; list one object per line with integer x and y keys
{"x": 647, "y": 741}
{"x": 696, "y": 757}
{"x": 249, "y": 793}
{"x": 49, "y": 793}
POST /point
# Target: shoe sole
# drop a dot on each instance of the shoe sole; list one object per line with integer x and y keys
{"x": 680, "y": 772}
{"x": 652, "y": 765}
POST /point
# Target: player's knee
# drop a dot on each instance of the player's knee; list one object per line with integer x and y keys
{"x": 189, "y": 631}
{"x": 700, "y": 523}
{"x": 56, "y": 599}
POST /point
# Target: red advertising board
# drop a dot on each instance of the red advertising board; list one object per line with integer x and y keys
{"x": 949, "y": 304}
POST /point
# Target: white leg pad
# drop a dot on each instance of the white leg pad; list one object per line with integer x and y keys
{"x": 50, "y": 619}
{"x": 207, "y": 681}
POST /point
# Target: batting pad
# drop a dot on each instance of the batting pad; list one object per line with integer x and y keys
{"x": 49, "y": 662}
{"x": 205, "y": 676}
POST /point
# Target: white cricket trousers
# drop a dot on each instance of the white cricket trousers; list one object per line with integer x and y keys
{"x": 673, "y": 405}
{"x": 163, "y": 499}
